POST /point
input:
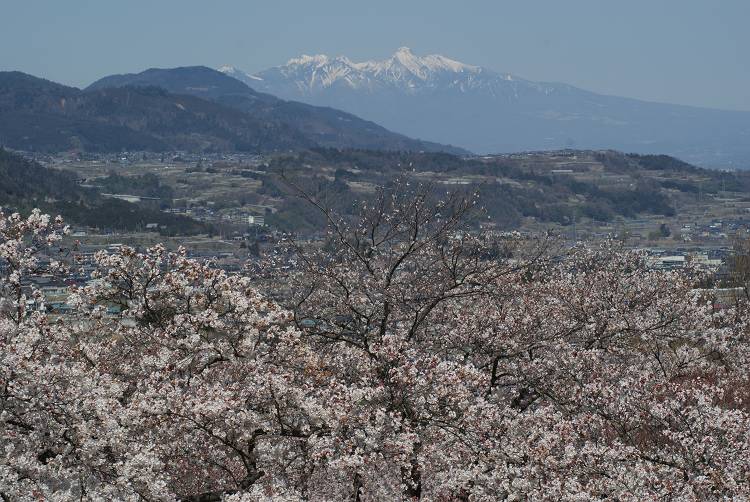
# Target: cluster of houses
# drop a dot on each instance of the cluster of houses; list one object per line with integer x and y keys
{"x": 129, "y": 158}
{"x": 253, "y": 217}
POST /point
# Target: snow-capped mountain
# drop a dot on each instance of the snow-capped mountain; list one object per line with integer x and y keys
{"x": 404, "y": 71}
{"x": 444, "y": 100}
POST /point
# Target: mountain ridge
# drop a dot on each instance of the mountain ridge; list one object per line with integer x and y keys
{"x": 189, "y": 108}
{"x": 322, "y": 126}
{"x": 40, "y": 115}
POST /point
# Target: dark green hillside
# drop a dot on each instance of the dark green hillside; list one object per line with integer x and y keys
{"x": 39, "y": 115}
{"x": 196, "y": 80}
{"x": 186, "y": 122}
{"x": 27, "y": 185}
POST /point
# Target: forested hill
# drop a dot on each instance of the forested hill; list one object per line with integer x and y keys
{"x": 27, "y": 185}
{"x": 561, "y": 188}
{"x": 39, "y": 115}
{"x": 154, "y": 115}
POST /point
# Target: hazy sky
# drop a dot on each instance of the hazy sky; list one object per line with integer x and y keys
{"x": 681, "y": 51}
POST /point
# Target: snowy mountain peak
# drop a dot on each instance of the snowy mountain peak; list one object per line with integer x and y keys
{"x": 403, "y": 71}
{"x": 410, "y": 62}
{"x": 227, "y": 68}
{"x": 420, "y": 67}
{"x": 235, "y": 72}
{"x": 405, "y": 56}
{"x": 304, "y": 59}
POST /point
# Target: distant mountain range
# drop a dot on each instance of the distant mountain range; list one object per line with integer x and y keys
{"x": 446, "y": 101}
{"x": 192, "y": 108}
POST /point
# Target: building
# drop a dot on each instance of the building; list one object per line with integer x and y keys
{"x": 259, "y": 221}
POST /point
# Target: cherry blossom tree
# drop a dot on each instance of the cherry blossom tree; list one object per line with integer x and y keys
{"x": 505, "y": 374}
{"x": 416, "y": 359}
{"x": 172, "y": 381}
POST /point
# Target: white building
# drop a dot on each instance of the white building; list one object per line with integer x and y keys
{"x": 256, "y": 220}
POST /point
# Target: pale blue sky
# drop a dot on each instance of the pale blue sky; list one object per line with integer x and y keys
{"x": 682, "y": 51}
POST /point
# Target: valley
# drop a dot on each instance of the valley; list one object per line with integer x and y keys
{"x": 653, "y": 202}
